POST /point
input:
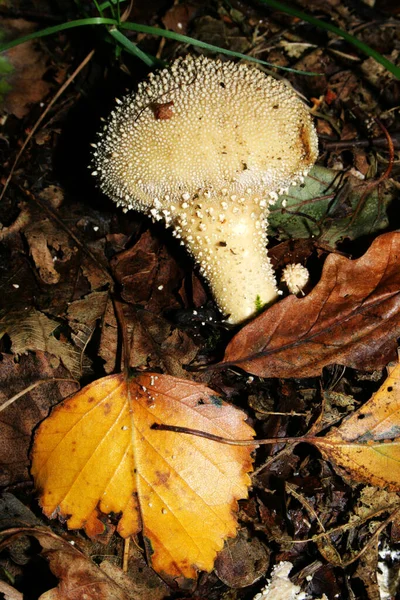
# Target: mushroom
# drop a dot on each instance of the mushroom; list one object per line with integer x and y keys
{"x": 296, "y": 278}
{"x": 206, "y": 146}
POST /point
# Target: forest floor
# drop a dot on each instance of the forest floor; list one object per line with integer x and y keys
{"x": 88, "y": 292}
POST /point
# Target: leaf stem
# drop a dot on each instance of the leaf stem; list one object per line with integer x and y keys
{"x": 224, "y": 440}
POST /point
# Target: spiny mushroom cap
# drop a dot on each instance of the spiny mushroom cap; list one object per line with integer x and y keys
{"x": 296, "y": 277}
{"x": 206, "y": 146}
{"x": 203, "y": 128}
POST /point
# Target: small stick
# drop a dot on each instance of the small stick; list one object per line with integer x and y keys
{"x": 32, "y": 387}
{"x": 125, "y": 558}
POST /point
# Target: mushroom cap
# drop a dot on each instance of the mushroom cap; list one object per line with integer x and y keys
{"x": 203, "y": 128}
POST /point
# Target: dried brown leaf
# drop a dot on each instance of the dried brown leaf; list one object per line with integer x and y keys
{"x": 79, "y": 577}
{"x": 140, "y": 582}
{"x": 28, "y": 65}
{"x": 109, "y": 338}
{"x": 19, "y": 419}
{"x": 44, "y": 238}
{"x": 352, "y": 318}
{"x": 34, "y": 331}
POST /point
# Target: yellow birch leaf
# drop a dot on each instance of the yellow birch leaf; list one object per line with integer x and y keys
{"x": 366, "y": 446}
{"x": 97, "y": 453}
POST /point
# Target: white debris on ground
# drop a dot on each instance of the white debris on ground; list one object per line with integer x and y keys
{"x": 388, "y": 574}
{"x": 279, "y": 587}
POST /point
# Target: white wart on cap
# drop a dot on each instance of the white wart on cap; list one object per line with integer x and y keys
{"x": 206, "y": 146}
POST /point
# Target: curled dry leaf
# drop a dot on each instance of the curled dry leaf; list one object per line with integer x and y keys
{"x": 21, "y": 70}
{"x": 79, "y": 577}
{"x": 366, "y": 447}
{"x": 34, "y": 331}
{"x": 97, "y": 453}
{"x": 352, "y": 318}
{"x": 18, "y": 420}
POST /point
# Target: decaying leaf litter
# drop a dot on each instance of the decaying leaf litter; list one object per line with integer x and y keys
{"x": 64, "y": 248}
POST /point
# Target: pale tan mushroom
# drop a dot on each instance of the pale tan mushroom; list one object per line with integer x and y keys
{"x": 296, "y": 277}
{"x": 206, "y": 146}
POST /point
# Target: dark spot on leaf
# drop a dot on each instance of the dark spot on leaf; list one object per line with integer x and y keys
{"x": 390, "y": 388}
{"x": 107, "y": 408}
{"x": 216, "y": 400}
{"x": 162, "y": 478}
{"x": 221, "y": 83}
{"x": 200, "y": 402}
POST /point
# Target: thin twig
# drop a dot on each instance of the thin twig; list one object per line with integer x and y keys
{"x": 32, "y": 387}
{"x": 375, "y": 535}
{"x": 125, "y": 558}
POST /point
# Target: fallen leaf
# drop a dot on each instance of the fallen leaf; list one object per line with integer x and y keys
{"x": 77, "y": 573}
{"x": 83, "y": 315}
{"x": 243, "y": 561}
{"x": 88, "y": 309}
{"x": 108, "y": 345}
{"x": 366, "y": 446}
{"x": 21, "y": 70}
{"x": 140, "y": 582}
{"x": 97, "y": 453}
{"x": 157, "y": 344}
{"x": 34, "y": 331}
{"x": 15, "y": 514}
{"x": 18, "y": 420}
{"x": 42, "y": 236}
{"x": 178, "y": 17}
{"x": 351, "y": 317}
{"x": 325, "y": 207}
{"x": 9, "y": 592}
{"x": 80, "y": 578}
{"x": 148, "y": 274}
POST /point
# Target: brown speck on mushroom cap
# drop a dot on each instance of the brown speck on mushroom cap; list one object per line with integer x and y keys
{"x": 227, "y": 142}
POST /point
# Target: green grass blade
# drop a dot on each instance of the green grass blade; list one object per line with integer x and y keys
{"x": 333, "y": 29}
{"x": 179, "y": 37}
{"x": 56, "y": 29}
{"x": 99, "y": 10}
{"x": 132, "y": 48}
{"x": 118, "y": 13}
{"x": 110, "y": 4}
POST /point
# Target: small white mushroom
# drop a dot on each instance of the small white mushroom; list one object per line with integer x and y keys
{"x": 207, "y": 146}
{"x": 296, "y": 277}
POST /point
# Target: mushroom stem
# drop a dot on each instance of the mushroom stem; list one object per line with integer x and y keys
{"x": 228, "y": 241}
